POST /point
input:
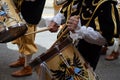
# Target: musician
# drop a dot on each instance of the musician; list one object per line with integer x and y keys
{"x": 31, "y": 11}
{"x": 113, "y": 51}
{"x": 94, "y": 21}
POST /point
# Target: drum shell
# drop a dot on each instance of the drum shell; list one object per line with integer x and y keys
{"x": 69, "y": 52}
{"x": 13, "y": 24}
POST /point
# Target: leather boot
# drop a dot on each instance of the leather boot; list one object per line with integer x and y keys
{"x": 20, "y": 62}
{"x": 103, "y": 50}
{"x": 112, "y": 56}
{"x": 26, "y": 71}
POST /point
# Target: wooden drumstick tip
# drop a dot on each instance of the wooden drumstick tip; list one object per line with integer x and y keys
{"x": 40, "y": 30}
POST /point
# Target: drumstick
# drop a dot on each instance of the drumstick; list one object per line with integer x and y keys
{"x": 41, "y": 30}
{"x": 61, "y": 34}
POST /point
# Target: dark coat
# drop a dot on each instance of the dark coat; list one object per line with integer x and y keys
{"x": 32, "y": 11}
{"x": 102, "y": 16}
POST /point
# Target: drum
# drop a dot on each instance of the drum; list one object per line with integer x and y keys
{"x": 63, "y": 62}
{"x": 12, "y": 25}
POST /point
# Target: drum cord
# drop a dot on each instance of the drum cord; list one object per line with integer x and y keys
{"x": 44, "y": 65}
{"x": 62, "y": 57}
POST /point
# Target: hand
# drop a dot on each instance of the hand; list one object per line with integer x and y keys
{"x": 53, "y": 27}
{"x": 72, "y": 23}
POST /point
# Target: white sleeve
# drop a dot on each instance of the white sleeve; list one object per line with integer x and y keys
{"x": 75, "y": 36}
{"x": 58, "y": 18}
{"x": 90, "y": 35}
{"x": 114, "y": 47}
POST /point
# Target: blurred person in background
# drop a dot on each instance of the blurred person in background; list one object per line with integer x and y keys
{"x": 112, "y": 52}
{"x": 31, "y": 11}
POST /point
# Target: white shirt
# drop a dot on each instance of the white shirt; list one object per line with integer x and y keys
{"x": 86, "y": 33}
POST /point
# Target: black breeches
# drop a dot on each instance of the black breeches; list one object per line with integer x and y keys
{"x": 90, "y": 52}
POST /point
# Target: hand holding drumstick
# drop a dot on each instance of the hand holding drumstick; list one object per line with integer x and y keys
{"x": 72, "y": 23}
{"x": 53, "y": 27}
